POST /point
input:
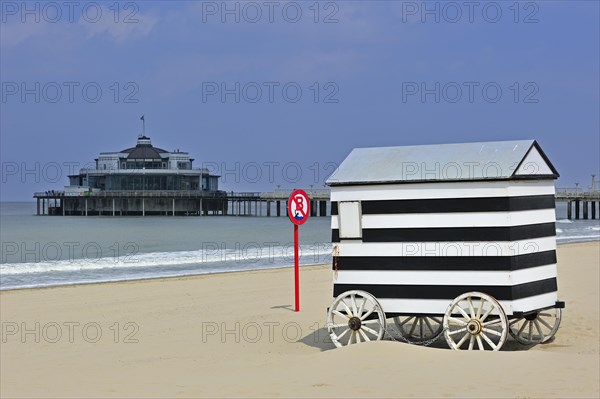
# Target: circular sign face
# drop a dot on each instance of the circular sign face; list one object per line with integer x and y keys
{"x": 298, "y": 207}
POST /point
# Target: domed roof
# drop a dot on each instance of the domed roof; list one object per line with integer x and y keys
{"x": 144, "y": 150}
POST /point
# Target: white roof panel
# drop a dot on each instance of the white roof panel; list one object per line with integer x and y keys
{"x": 442, "y": 162}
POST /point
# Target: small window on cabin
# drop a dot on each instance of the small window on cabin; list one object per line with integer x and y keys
{"x": 349, "y": 220}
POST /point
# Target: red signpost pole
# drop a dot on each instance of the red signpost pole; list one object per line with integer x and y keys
{"x": 298, "y": 212}
{"x": 296, "y": 268}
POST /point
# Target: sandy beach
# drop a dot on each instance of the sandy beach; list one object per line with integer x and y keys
{"x": 236, "y": 335}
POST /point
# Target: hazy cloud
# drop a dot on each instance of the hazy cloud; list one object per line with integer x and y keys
{"x": 15, "y": 32}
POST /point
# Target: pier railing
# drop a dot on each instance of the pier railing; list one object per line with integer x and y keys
{"x": 134, "y": 193}
{"x": 284, "y": 194}
{"x": 121, "y": 171}
{"x": 278, "y": 194}
{"x": 575, "y": 193}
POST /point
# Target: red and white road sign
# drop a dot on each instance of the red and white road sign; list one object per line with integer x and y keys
{"x": 299, "y": 207}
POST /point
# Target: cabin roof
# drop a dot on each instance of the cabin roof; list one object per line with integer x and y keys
{"x": 499, "y": 160}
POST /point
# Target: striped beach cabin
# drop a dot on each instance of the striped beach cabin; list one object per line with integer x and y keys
{"x": 438, "y": 236}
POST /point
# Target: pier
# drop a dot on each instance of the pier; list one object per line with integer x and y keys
{"x": 586, "y": 204}
{"x": 175, "y": 203}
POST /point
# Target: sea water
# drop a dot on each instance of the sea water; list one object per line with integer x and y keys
{"x": 54, "y": 250}
{"x": 575, "y": 230}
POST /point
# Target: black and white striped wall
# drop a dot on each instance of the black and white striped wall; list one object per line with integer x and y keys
{"x": 417, "y": 246}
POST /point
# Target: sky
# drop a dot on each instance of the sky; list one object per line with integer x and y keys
{"x": 271, "y": 93}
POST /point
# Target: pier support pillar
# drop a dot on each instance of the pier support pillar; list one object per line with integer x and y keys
{"x": 286, "y": 209}
{"x": 577, "y": 205}
{"x": 62, "y": 205}
{"x": 86, "y": 207}
{"x": 38, "y": 206}
{"x": 569, "y": 210}
{"x": 585, "y": 210}
{"x": 268, "y": 208}
{"x": 278, "y": 207}
{"x": 322, "y": 208}
{"x": 593, "y": 210}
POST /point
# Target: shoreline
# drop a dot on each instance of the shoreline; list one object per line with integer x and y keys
{"x": 203, "y": 275}
{"x": 159, "y": 278}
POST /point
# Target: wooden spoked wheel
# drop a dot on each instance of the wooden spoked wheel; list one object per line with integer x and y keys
{"x": 354, "y": 317}
{"x": 419, "y": 329}
{"x": 536, "y": 328}
{"x": 475, "y": 320}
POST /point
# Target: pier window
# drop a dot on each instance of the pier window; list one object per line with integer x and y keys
{"x": 183, "y": 165}
{"x": 148, "y": 182}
